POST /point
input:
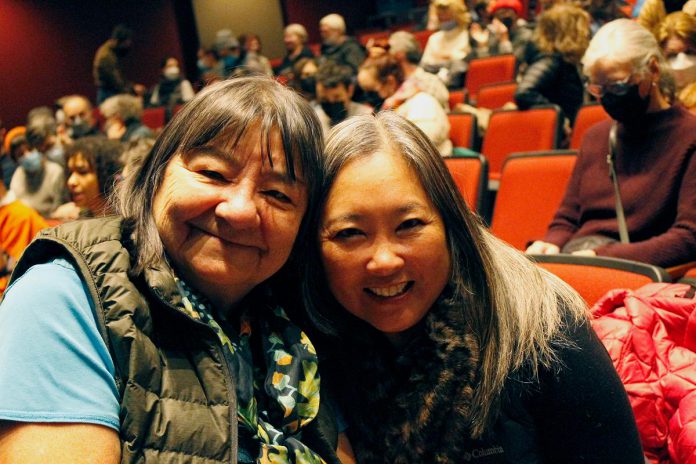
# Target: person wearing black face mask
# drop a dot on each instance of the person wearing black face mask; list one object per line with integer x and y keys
{"x": 653, "y": 158}
{"x": 511, "y": 33}
{"x": 334, "y": 93}
{"x": 107, "y": 70}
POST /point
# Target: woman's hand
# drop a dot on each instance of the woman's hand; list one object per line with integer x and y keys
{"x": 542, "y": 248}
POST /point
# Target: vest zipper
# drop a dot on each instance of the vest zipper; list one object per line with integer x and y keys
{"x": 231, "y": 390}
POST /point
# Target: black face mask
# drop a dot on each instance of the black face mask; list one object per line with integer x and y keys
{"x": 336, "y": 111}
{"x": 309, "y": 86}
{"x": 628, "y": 108}
{"x": 373, "y": 99}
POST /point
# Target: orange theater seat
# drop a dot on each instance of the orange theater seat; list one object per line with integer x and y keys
{"x": 514, "y": 131}
{"x": 494, "y": 96}
{"x": 490, "y": 70}
{"x": 531, "y": 189}
{"x": 587, "y": 116}
{"x": 469, "y": 172}
{"x": 455, "y": 97}
{"x": 154, "y": 118}
{"x": 593, "y": 276}
{"x": 462, "y": 129}
{"x": 422, "y": 37}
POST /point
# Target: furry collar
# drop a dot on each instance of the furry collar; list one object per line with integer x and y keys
{"x": 414, "y": 405}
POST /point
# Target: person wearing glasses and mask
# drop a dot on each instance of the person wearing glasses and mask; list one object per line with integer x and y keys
{"x": 655, "y": 166}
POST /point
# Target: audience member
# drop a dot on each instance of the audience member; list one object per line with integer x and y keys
{"x": 561, "y": 37}
{"x": 406, "y": 50}
{"x": 94, "y": 164}
{"x": 295, "y": 40}
{"x": 654, "y": 159}
{"x": 228, "y": 50}
{"x": 337, "y": 46}
{"x": 7, "y": 159}
{"x": 107, "y": 69}
{"x": 305, "y": 81}
{"x": 447, "y": 49}
{"x": 210, "y": 68}
{"x": 334, "y": 95}
{"x": 251, "y": 57}
{"x": 172, "y": 89}
{"x": 44, "y": 125}
{"x": 20, "y": 224}
{"x": 123, "y": 113}
{"x": 37, "y": 182}
{"x": 386, "y": 76}
{"x": 677, "y": 38}
{"x": 446, "y": 343}
{"x": 512, "y": 32}
{"x": 602, "y": 12}
{"x": 79, "y": 118}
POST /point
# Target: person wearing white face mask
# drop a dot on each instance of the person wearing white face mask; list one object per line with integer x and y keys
{"x": 172, "y": 89}
{"x": 38, "y": 182}
{"x": 447, "y": 48}
{"x": 677, "y": 37}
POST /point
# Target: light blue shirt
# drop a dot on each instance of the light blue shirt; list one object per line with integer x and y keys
{"x": 54, "y": 364}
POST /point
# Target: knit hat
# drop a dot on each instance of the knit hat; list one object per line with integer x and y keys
{"x": 498, "y": 4}
{"x": 11, "y": 134}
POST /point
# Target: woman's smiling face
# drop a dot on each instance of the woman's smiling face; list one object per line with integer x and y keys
{"x": 383, "y": 243}
{"x": 227, "y": 218}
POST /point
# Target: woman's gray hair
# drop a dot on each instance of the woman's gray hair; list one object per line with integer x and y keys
{"x": 516, "y": 309}
{"x": 127, "y": 107}
{"x": 297, "y": 29}
{"x": 226, "y": 109}
{"x": 627, "y": 42}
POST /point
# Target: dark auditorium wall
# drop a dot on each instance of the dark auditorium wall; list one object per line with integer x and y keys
{"x": 46, "y": 47}
{"x": 309, "y": 12}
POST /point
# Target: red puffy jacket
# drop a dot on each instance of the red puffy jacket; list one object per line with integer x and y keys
{"x": 650, "y": 334}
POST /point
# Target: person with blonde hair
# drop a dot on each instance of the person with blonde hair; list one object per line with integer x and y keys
{"x": 447, "y": 49}
{"x": 295, "y": 40}
{"x": 447, "y": 344}
{"x": 677, "y": 38}
{"x": 561, "y": 36}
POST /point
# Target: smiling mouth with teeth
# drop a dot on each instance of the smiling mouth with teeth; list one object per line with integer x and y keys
{"x": 391, "y": 291}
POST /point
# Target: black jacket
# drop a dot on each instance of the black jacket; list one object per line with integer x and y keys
{"x": 551, "y": 80}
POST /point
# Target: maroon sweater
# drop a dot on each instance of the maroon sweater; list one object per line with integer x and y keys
{"x": 657, "y": 177}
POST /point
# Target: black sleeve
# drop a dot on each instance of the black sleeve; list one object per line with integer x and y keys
{"x": 539, "y": 76}
{"x": 582, "y": 410}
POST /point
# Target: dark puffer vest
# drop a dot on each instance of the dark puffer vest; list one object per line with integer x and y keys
{"x": 178, "y": 399}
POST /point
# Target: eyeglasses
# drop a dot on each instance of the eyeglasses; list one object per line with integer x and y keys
{"x": 615, "y": 88}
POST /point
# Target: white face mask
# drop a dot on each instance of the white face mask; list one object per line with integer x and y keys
{"x": 172, "y": 72}
{"x": 684, "y": 69}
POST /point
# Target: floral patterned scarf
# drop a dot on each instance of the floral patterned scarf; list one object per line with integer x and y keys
{"x": 287, "y": 382}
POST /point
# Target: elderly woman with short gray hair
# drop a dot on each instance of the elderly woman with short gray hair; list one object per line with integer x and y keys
{"x": 123, "y": 115}
{"x": 653, "y": 148}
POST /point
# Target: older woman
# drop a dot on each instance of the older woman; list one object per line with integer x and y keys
{"x": 93, "y": 166}
{"x": 561, "y": 36}
{"x": 385, "y": 75}
{"x": 654, "y": 159}
{"x": 447, "y": 48}
{"x": 123, "y": 115}
{"x": 154, "y": 336}
{"x": 451, "y": 344}
{"x": 295, "y": 40}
